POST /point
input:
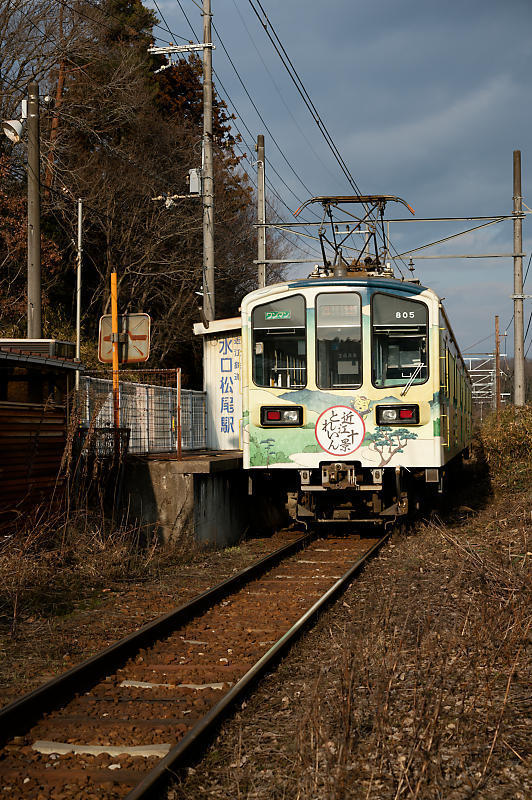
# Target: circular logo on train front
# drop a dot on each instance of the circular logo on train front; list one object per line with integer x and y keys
{"x": 340, "y": 430}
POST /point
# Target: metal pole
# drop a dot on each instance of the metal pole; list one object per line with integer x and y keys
{"x": 178, "y": 378}
{"x": 208, "y": 172}
{"x": 78, "y": 289}
{"x": 114, "y": 337}
{"x": 497, "y": 366}
{"x": 34, "y": 215}
{"x": 519, "y": 345}
{"x": 261, "y": 211}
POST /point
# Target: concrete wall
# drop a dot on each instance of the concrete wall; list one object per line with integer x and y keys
{"x": 207, "y": 508}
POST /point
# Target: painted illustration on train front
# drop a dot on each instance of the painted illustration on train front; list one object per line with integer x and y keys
{"x": 352, "y": 334}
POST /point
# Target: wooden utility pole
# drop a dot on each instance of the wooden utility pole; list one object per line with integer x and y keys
{"x": 209, "y": 307}
{"x": 34, "y": 214}
{"x": 519, "y": 344}
{"x": 261, "y": 211}
{"x": 497, "y": 366}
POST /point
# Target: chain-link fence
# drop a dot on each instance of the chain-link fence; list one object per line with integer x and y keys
{"x": 152, "y": 406}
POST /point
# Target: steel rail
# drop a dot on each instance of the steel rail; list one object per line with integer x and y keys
{"x": 187, "y": 749}
{"x": 18, "y": 716}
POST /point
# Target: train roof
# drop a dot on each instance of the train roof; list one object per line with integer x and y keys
{"x": 389, "y": 284}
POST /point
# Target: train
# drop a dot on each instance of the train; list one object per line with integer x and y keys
{"x": 355, "y": 397}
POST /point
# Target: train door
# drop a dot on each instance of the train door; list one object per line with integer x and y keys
{"x": 444, "y": 396}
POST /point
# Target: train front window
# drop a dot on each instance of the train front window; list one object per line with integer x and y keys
{"x": 279, "y": 343}
{"x": 338, "y": 336}
{"x": 399, "y": 341}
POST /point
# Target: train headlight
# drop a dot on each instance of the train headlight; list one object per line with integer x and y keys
{"x": 275, "y": 416}
{"x": 397, "y": 415}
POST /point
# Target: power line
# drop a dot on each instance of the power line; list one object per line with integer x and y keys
{"x": 305, "y": 187}
{"x": 108, "y": 14}
{"x": 527, "y": 327}
{"x": 298, "y": 83}
{"x": 527, "y": 268}
{"x": 277, "y": 89}
{"x": 225, "y": 91}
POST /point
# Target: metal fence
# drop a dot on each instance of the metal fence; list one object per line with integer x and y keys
{"x": 151, "y": 412}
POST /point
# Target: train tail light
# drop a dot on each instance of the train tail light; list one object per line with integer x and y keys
{"x": 397, "y": 415}
{"x": 275, "y": 416}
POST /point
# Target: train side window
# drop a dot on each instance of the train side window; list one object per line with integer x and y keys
{"x": 399, "y": 341}
{"x": 338, "y": 340}
{"x": 279, "y": 343}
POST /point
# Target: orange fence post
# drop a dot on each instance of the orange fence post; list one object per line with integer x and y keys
{"x": 114, "y": 323}
{"x": 178, "y": 379}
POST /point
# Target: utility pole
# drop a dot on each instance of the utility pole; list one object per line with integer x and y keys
{"x": 261, "y": 211}
{"x": 34, "y": 215}
{"x": 519, "y": 344}
{"x": 497, "y": 366}
{"x": 207, "y": 192}
{"x": 209, "y": 307}
{"x": 115, "y": 341}
{"x": 78, "y": 289}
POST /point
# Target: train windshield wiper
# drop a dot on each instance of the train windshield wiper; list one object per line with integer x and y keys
{"x": 412, "y": 378}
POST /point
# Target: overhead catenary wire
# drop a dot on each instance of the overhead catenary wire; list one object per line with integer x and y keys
{"x": 107, "y": 13}
{"x": 313, "y": 113}
{"x": 254, "y": 105}
{"x": 278, "y": 91}
{"x": 72, "y": 120}
{"x": 226, "y": 93}
{"x": 298, "y": 83}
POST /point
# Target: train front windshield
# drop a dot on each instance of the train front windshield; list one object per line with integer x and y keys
{"x": 338, "y": 340}
{"x": 399, "y": 341}
{"x": 279, "y": 343}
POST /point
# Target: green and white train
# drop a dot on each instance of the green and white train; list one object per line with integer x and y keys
{"x": 355, "y": 395}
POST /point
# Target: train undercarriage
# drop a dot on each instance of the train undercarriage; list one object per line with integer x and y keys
{"x": 347, "y": 492}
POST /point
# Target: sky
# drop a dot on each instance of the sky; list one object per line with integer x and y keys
{"x": 424, "y": 99}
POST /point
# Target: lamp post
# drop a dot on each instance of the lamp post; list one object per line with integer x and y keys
{"x": 34, "y": 215}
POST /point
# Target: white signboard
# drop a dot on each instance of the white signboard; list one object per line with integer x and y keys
{"x": 135, "y": 346}
{"x": 222, "y": 353}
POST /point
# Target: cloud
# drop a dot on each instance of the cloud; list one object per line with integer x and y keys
{"x": 416, "y": 140}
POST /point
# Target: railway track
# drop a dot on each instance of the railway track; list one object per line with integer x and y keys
{"x": 115, "y": 726}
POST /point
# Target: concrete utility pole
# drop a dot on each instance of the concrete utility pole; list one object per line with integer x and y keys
{"x": 34, "y": 215}
{"x": 519, "y": 344}
{"x": 497, "y": 366}
{"x": 261, "y": 211}
{"x": 209, "y": 307}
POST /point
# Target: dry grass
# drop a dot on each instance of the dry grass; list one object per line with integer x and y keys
{"x": 77, "y": 543}
{"x": 46, "y": 566}
{"x": 507, "y": 441}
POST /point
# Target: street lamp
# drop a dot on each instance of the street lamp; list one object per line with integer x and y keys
{"x": 13, "y": 129}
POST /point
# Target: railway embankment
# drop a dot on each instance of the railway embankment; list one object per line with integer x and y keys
{"x": 417, "y": 682}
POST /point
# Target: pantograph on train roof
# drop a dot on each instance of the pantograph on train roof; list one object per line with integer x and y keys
{"x": 368, "y": 259}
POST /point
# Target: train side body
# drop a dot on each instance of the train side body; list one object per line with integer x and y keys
{"x": 345, "y": 381}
